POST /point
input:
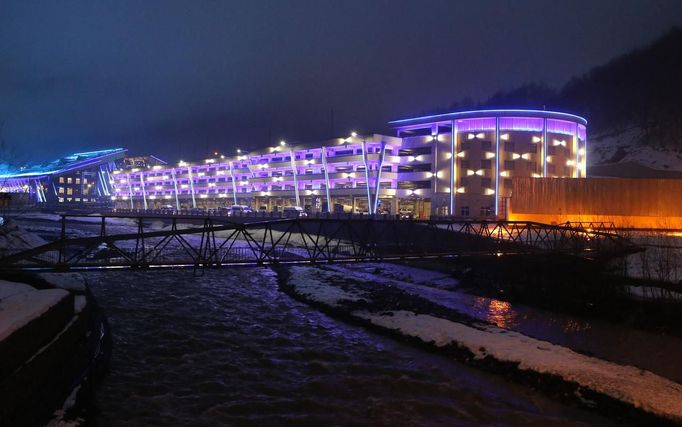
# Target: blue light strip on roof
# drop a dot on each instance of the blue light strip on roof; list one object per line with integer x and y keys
{"x": 455, "y": 115}
{"x": 71, "y": 162}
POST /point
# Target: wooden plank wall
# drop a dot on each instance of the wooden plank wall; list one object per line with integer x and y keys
{"x": 589, "y": 197}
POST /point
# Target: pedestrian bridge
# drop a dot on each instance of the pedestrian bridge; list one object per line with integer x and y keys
{"x": 134, "y": 241}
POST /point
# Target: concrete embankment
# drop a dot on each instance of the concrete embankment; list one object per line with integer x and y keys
{"x": 624, "y": 392}
{"x": 53, "y": 341}
{"x": 52, "y": 345}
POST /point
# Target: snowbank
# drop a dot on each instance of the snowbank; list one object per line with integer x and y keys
{"x": 309, "y": 285}
{"x": 627, "y": 145}
{"x": 18, "y": 309}
{"x": 69, "y": 281}
{"x": 14, "y": 239}
{"x": 589, "y": 376}
{"x": 639, "y": 388}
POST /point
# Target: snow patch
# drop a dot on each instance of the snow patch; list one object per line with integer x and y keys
{"x": 628, "y": 145}
{"x": 68, "y": 281}
{"x": 639, "y": 388}
{"x": 15, "y": 239}
{"x": 19, "y": 309}
{"x": 307, "y": 282}
{"x": 8, "y": 289}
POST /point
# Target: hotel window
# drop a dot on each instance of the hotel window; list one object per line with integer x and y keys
{"x": 61, "y": 181}
{"x": 509, "y": 145}
{"x": 486, "y": 164}
{"x": 509, "y": 165}
{"x": 85, "y": 180}
{"x": 69, "y": 191}
{"x": 78, "y": 180}
{"x": 485, "y": 182}
{"x": 61, "y": 200}
{"x": 508, "y": 184}
{"x": 464, "y": 164}
{"x": 486, "y": 146}
{"x": 61, "y": 190}
{"x": 69, "y": 181}
{"x": 485, "y": 211}
{"x": 464, "y": 211}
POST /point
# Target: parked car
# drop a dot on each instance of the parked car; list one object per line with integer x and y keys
{"x": 236, "y": 210}
{"x": 404, "y": 214}
{"x": 294, "y": 212}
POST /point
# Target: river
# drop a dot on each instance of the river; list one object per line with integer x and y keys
{"x": 229, "y": 348}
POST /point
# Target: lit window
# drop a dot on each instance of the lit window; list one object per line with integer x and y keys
{"x": 61, "y": 190}
{"x": 69, "y": 181}
{"x": 69, "y": 190}
{"x": 85, "y": 180}
{"x": 61, "y": 181}
{"x": 78, "y": 180}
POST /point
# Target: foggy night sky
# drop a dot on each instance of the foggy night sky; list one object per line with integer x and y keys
{"x": 184, "y": 78}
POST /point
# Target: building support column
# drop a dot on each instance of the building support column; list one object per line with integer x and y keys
{"x": 191, "y": 185}
{"x": 544, "y": 147}
{"x": 576, "y": 165}
{"x": 326, "y": 179}
{"x": 293, "y": 170}
{"x": 377, "y": 186}
{"x": 130, "y": 192}
{"x": 364, "y": 160}
{"x": 175, "y": 185}
{"x": 234, "y": 183}
{"x": 144, "y": 192}
{"x": 453, "y": 165}
{"x": 497, "y": 166}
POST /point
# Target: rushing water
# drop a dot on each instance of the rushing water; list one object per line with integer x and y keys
{"x": 229, "y": 348}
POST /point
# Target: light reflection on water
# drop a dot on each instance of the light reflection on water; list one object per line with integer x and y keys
{"x": 230, "y": 349}
{"x": 496, "y": 311}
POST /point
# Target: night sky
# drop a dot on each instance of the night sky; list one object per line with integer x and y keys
{"x": 184, "y": 78}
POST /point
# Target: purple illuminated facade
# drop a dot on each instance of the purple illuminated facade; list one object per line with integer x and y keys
{"x": 477, "y": 154}
{"x": 457, "y": 164}
{"x": 351, "y": 173}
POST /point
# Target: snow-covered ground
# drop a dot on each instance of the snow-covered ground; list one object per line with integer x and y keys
{"x": 20, "y": 304}
{"x": 620, "y": 146}
{"x": 639, "y": 388}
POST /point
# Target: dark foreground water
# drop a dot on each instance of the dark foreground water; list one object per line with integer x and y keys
{"x": 228, "y": 348}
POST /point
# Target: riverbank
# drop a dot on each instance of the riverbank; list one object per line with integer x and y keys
{"x": 620, "y": 391}
{"x": 54, "y": 343}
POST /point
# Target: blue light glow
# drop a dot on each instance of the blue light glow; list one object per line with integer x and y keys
{"x": 464, "y": 114}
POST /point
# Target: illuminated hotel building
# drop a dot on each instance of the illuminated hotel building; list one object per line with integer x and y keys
{"x": 80, "y": 178}
{"x": 458, "y": 163}
{"x": 475, "y": 154}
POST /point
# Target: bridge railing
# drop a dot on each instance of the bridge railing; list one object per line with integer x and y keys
{"x": 144, "y": 241}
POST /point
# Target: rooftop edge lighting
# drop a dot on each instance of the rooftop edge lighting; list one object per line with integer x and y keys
{"x": 494, "y": 112}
